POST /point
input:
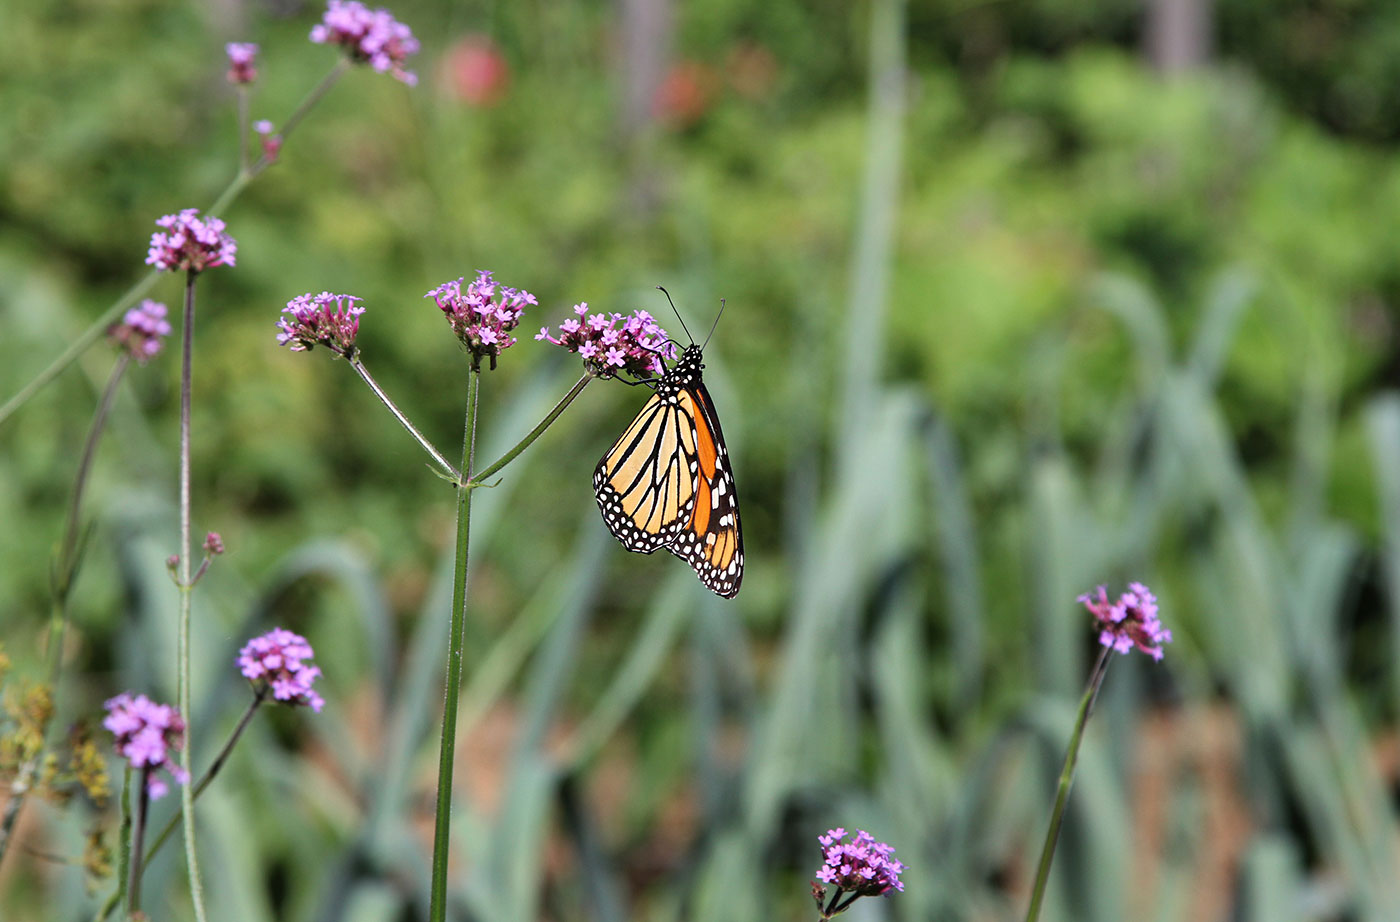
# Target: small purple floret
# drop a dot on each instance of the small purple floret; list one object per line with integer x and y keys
{"x": 147, "y": 735}
{"x": 370, "y": 36}
{"x": 241, "y": 59}
{"x": 190, "y": 242}
{"x": 1129, "y": 622}
{"x": 862, "y": 866}
{"x": 611, "y": 343}
{"x": 483, "y": 314}
{"x": 142, "y": 330}
{"x": 325, "y": 319}
{"x": 280, "y": 659}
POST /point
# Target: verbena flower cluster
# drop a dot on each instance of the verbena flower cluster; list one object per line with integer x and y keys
{"x": 241, "y": 59}
{"x": 613, "y": 343}
{"x": 147, "y": 734}
{"x": 271, "y": 141}
{"x": 372, "y": 36}
{"x": 862, "y": 866}
{"x": 142, "y": 330}
{"x": 190, "y": 242}
{"x": 280, "y": 658}
{"x": 1129, "y": 622}
{"x": 325, "y": 319}
{"x": 482, "y": 315}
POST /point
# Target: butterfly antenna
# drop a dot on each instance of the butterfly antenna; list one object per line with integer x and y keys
{"x": 678, "y": 314}
{"x": 714, "y": 325}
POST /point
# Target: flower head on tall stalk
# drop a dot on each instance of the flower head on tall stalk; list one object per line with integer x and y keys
{"x": 483, "y": 314}
{"x": 1129, "y": 622}
{"x": 280, "y": 661}
{"x": 191, "y": 243}
{"x": 325, "y": 319}
{"x": 861, "y": 867}
{"x": 372, "y": 37}
{"x": 614, "y": 343}
{"x": 142, "y": 331}
{"x": 147, "y": 735}
{"x": 242, "y": 58}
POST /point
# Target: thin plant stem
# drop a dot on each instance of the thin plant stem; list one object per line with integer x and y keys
{"x": 242, "y": 128}
{"x": 428, "y": 446}
{"x": 437, "y": 907}
{"x": 258, "y": 698}
{"x": 186, "y": 589}
{"x": 138, "y": 832}
{"x": 236, "y": 185}
{"x": 535, "y": 432}
{"x": 64, "y": 571}
{"x": 1057, "y": 814}
{"x": 123, "y": 847}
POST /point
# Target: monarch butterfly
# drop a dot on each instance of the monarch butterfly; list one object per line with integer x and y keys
{"x": 666, "y": 481}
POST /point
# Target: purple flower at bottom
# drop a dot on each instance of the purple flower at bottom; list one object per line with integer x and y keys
{"x": 190, "y": 242}
{"x": 1129, "y": 622}
{"x": 280, "y": 659}
{"x": 613, "y": 343}
{"x": 861, "y": 867}
{"x": 142, "y": 330}
{"x": 370, "y": 36}
{"x": 147, "y": 734}
{"x": 325, "y": 319}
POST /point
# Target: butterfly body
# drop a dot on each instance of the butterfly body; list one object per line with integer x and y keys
{"x": 666, "y": 482}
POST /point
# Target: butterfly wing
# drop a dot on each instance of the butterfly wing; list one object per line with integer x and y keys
{"x": 711, "y": 541}
{"x": 646, "y": 482}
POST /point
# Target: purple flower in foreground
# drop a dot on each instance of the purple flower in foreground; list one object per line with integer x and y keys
{"x": 142, "y": 330}
{"x": 325, "y": 319}
{"x": 147, "y": 734}
{"x": 191, "y": 242}
{"x": 483, "y": 314}
{"x": 372, "y": 36}
{"x": 613, "y": 343}
{"x": 861, "y": 867}
{"x": 1129, "y": 622}
{"x": 241, "y": 57}
{"x": 279, "y": 658}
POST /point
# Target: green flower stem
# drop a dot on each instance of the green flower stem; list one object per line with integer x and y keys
{"x": 65, "y": 568}
{"x": 535, "y": 432}
{"x": 428, "y": 446}
{"x": 1057, "y": 814}
{"x": 94, "y": 332}
{"x": 143, "y": 805}
{"x": 437, "y": 908}
{"x": 186, "y": 588}
{"x": 242, "y": 90}
{"x": 123, "y": 848}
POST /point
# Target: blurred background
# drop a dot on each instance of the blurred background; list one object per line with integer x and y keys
{"x": 1023, "y": 297}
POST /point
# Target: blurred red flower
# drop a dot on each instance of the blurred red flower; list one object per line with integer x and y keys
{"x": 474, "y": 71}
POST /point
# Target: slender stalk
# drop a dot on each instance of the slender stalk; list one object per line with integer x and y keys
{"x": 123, "y": 848}
{"x": 83, "y": 340}
{"x": 143, "y": 804}
{"x": 437, "y": 908}
{"x": 535, "y": 432}
{"x": 65, "y": 567}
{"x": 258, "y": 698}
{"x": 1057, "y": 814}
{"x": 186, "y": 588}
{"x": 242, "y": 128}
{"x": 428, "y": 446}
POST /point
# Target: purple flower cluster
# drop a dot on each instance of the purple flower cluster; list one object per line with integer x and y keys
{"x": 146, "y": 736}
{"x": 191, "y": 242}
{"x": 1129, "y": 622}
{"x": 279, "y": 658}
{"x": 613, "y": 343}
{"x": 271, "y": 141}
{"x": 325, "y": 319}
{"x": 372, "y": 36}
{"x": 142, "y": 330}
{"x": 484, "y": 314}
{"x": 863, "y": 866}
{"x": 241, "y": 58}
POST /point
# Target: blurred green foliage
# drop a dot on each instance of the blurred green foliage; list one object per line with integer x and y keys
{"x": 1135, "y": 328}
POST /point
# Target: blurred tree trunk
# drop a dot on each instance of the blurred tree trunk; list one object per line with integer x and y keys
{"x": 1178, "y": 34}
